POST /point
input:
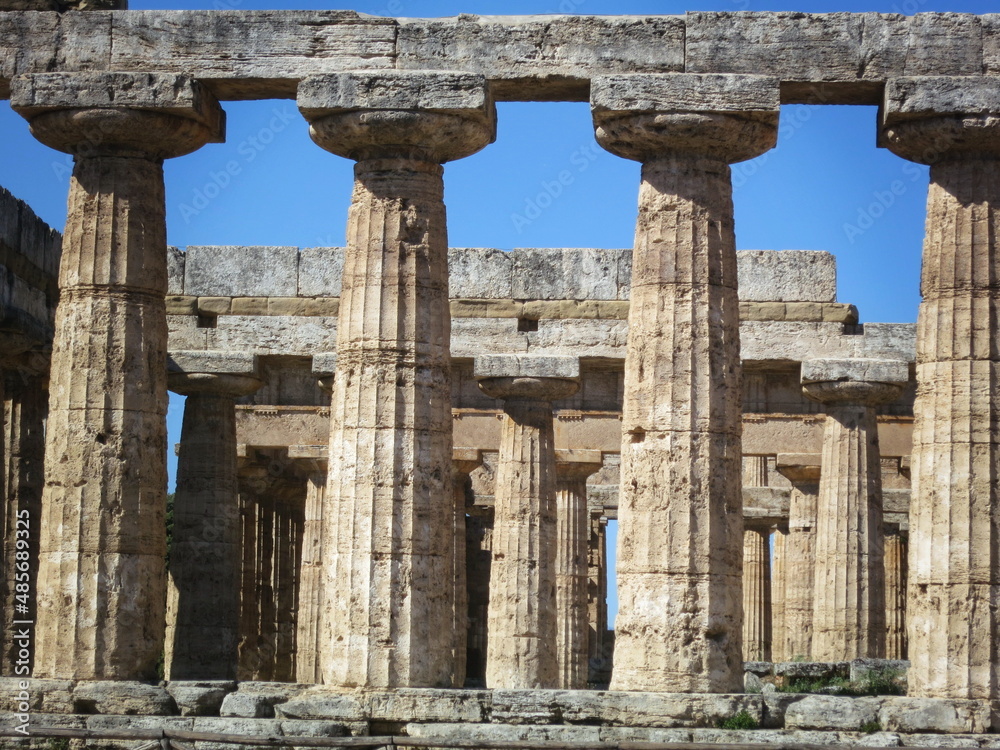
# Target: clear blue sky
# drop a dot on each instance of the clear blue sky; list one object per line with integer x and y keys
{"x": 826, "y": 186}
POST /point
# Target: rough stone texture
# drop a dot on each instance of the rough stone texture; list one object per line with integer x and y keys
{"x": 567, "y": 274}
{"x": 756, "y": 595}
{"x": 779, "y": 593}
{"x": 241, "y": 271}
{"x": 320, "y": 271}
{"x": 952, "y": 620}
{"x": 200, "y": 698}
{"x": 572, "y": 570}
{"x": 895, "y": 594}
{"x": 464, "y": 462}
{"x": 803, "y": 471}
{"x": 122, "y": 697}
{"x": 678, "y": 625}
{"x": 827, "y": 712}
{"x": 522, "y": 647}
{"x": 310, "y": 603}
{"x": 387, "y": 619}
{"x": 528, "y": 367}
{"x": 203, "y": 588}
{"x": 787, "y": 275}
{"x": 101, "y": 584}
{"x": 849, "y": 577}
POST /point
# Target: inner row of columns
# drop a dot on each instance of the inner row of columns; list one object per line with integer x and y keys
{"x": 387, "y": 537}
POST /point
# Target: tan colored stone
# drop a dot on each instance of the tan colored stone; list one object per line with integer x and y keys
{"x": 323, "y": 306}
{"x": 779, "y": 587}
{"x": 464, "y": 462}
{"x": 214, "y": 305}
{"x": 839, "y": 313}
{"x": 768, "y": 311}
{"x": 249, "y": 306}
{"x": 101, "y": 587}
{"x": 679, "y": 625}
{"x": 756, "y": 595}
{"x": 486, "y": 308}
{"x": 287, "y": 306}
{"x": 755, "y": 471}
{"x": 804, "y": 311}
{"x": 895, "y": 594}
{"x": 310, "y": 606}
{"x": 182, "y": 305}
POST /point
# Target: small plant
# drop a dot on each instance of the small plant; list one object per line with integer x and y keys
{"x": 60, "y": 743}
{"x": 883, "y": 682}
{"x": 742, "y": 720}
{"x": 870, "y": 727}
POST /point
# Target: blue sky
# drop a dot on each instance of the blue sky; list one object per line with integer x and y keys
{"x": 826, "y": 186}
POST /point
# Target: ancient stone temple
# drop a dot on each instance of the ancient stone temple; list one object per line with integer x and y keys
{"x": 400, "y": 460}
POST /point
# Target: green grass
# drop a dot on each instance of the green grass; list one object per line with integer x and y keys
{"x": 870, "y": 683}
{"x": 870, "y": 727}
{"x": 742, "y": 720}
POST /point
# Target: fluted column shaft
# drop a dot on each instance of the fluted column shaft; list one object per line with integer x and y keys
{"x": 310, "y": 583}
{"x": 756, "y": 595}
{"x": 895, "y": 594}
{"x": 572, "y": 573}
{"x": 464, "y": 462}
{"x": 800, "y": 555}
{"x": 953, "y": 624}
{"x": 779, "y": 585}
{"x": 679, "y": 563}
{"x": 102, "y": 583}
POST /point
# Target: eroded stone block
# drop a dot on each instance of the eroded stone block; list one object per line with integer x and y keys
{"x": 233, "y": 271}
{"x": 320, "y": 271}
{"x": 480, "y": 273}
{"x": 787, "y": 275}
{"x": 526, "y": 366}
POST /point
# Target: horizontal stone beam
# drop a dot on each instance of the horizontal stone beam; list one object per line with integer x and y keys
{"x": 526, "y": 366}
{"x": 836, "y": 58}
{"x": 212, "y": 362}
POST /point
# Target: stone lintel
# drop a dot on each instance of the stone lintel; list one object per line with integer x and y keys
{"x": 324, "y": 364}
{"x": 889, "y": 371}
{"x": 787, "y": 276}
{"x": 213, "y": 362}
{"x": 644, "y": 93}
{"x": 464, "y": 94}
{"x": 164, "y": 93}
{"x": 579, "y": 456}
{"x": 799, "y": 467}
{"x": 526, "y": 366}
{"x": 312, "y": 452}
{"x": 765, "y": 505}
{"x": 470, "y": 455}
{"x": 921, "y": 97}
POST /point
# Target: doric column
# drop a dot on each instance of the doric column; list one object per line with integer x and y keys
{"x": 388, "y": 533}
{"x": 464, "y": 462}
{"x": 203, "y": 592}
{"x": 23, "y": 390}
{"x": 597, "y": 600}
{"x": 756, "y": 593}
{"x": 755, "y": 471}
{"x": 895, "y": 592}
{"x": 521, "y": 652}
{"x": 953, "y": 623}
{"x": 849, "y": 582}
{"x": 803, "y": 471}
{"x": 102, "y": 583}
{"x": 779, "y": 584}
{"x": 679, "y": 623}
{"x": 572, "y": 569}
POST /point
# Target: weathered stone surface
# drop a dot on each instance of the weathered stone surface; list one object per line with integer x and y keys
{"x": 480, "y": 273}
{"x": 526, "y": 366}
{"x": 803, "y": 471}
{"x": 756, "y": 594}
{"x": 567, "y": 274}
{"x": 812, "y": 670}
{"x": 937, "y": 96}
{"x": 257, "y": 700}
{"x": 201, "y": 698}
{"x": 893, "y": 372}
{"x": 241, "y": 271}
{"x": 212, "y": 362}
{"x": 827, "y": 712}
{"x": 123, "y": 698}
{"x": 320, "y": 271}
{"x": 175, "y": 271}
{"x": 926, "y": 715}
{"x": 50, "y": 696}
{"x": 787, "y": 275}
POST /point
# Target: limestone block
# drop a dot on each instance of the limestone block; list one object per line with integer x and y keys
{"x": 324, "y": 703}
{"x": 257, "y": 700}
{"x": 324, "y": 364}
{"x": 480, "y": 273}
{"x": 59, "y": 721}
{"x": 812, "y": 670}
{"x": 277, "y": 48}
{"x": 286, "y": 306}
{"x": 213, "y": 305}
{"x": 932, "y": 96}
{"x": 320, "y": 271}
{"x": 435, "y": 91}
{"x": 202, "y": 698}
{"x": 935, "y": 715}
{"x": 566, "y": 274}
{"x": 296, "y": 728}
{"x": 498, "y": 732}
{"x": 615, "y": 95}
{"x": 281, "y": 335}
{"x": 944, "y": 740}
{"x": 241, "y": 271}
{"x": 526, "y": 366}
{"x": 51, "y": 696}
{"x": 167, "y": 93}
{"x": 249, "y": 306}
{"x": 787, "y": 275}
{"x": 220, "y": 362}
{"x": 140, "y": 723}
{"x": 542, "y": 57}
{"x": 644, "y": 734}
{"x": 855, "y": 371}
{"x": 123, "y": 698}
{"x": 175, "y": 270}
{"x": 428, "y": 705}
{"x": 235, "y": 725}
{"x": 831, "y": 712}
{"x": 860, "y": 668}
{"x": 991, "y": 43}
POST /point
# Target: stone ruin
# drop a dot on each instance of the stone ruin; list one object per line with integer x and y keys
{"x": 398, "y": 460}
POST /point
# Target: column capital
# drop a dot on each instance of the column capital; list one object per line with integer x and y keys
{"x": 577, "y": 463}
{"x": 324, "y": 369}
{"x": 466, "y": 460}
{"x": 150, "y": 115}
{"x": 730, "y": 118}
{"x": 216, "y": 373}
{"x": 867, "y": 382}
{"x": 435, "y": 116}
{"x": 939, "y": 118}
{"x": 515, "y": 376}
{"x": 799, "y": 468}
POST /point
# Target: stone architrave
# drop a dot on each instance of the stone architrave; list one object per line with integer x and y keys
{"x": 464, "y": 462}
{"x": 101, "y": 581}
{"x": 803, "y": 471}
{"x": 895, "y": 592}
{"x": 388, "y": 527}
{"x": 521, "y": 651}
{"x": 953, "y": 623}
{"x": 572, "y": 565}
{"x": 779, "y": 584}
{"x": 849, "y": 577}
{"x": 756, "y": 593}
{"x": 679, "y": 620}
{"x": 203, "y": 589}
